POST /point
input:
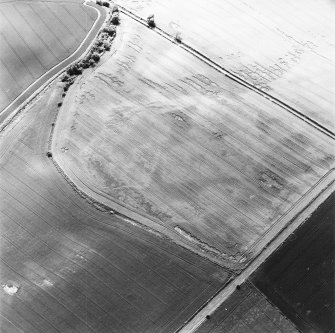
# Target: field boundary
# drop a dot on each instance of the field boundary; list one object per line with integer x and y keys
{"x": 199, "y": 317}
{"x": 153, "y": 224}
{"x": 231, "y": 75}
{"x": 18, "y": 104}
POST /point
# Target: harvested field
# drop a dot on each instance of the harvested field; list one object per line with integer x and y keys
{"x": 247, "y": 311}
{"x": 286, "y": 49}
{"x": 34, "y": 37}
{"x": 159, "y": 132}
{"x": 300, "y": 277}
{"x": 66, "y": 266}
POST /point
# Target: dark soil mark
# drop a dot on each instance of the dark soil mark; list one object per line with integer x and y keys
{"x": 300, "y": 277}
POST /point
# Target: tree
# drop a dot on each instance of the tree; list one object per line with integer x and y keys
{"x": 65, "y": 77}
{"x": 110, "y": 30}
{"x": 115, "y": 18}
{"x": 178, "y": 37}
{"x": 75, "y": 69}
{"x": 115, "y": 9}
{"x": 151, "y": 21}
{"x": 107, "y": 46}
{"x": 99, "y": 2}
{"x": 106, "y": 4}
{"x": 85, "y": 63}
{"x": 95, "y": 56}
{"x": 99, "y": 42}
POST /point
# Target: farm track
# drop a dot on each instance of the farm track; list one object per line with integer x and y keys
{"x": 187, "y": 191}
{"x": 230, "y": 74}
{"x": 300, "y": 217}
{"x": 53, "y": 232}
{"x": 299, "y": 277}
{"x": 222, "y": 70}
{"x": 295, "y": 213}
{"x": 54, "y": 72}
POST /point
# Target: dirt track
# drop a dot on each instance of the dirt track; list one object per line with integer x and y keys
{"x": 299, "y": 277}
{"x": 326, "y": 186}
{"x": 302, "y": 204}
{"x": 46, "y": 78}
{"x": 230, "y": 288}
{"x": 75, "y": 267}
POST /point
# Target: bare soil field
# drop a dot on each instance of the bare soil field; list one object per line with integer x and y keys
{"x": 247, "y": 310}
{"x": 66, "y": 266}
{"x": 157, "y": 131}
{"x": 300, "y": 277}
{"x": 34, "y": 37}
{"x": 286, "y": 49}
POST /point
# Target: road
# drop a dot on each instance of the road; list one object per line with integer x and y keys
{"x": 312, "y": 196}
{"x": 79, "y": 269}
{"x": 46, "y": 78}
{"x": 327, "y": 186}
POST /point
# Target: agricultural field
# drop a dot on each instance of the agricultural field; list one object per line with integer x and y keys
{"x": 67, "y": 266}
{"x": 300, "y": 277}
{"x": 36, "y": 36}
{"x": 247, "y": 310}
{"x": 157, "y": 131}
{"x": 152, "y": 147}
{"x": 286, "y": 49}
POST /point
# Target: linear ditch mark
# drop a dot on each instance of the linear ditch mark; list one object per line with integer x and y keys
{"x": 231, "y": 74}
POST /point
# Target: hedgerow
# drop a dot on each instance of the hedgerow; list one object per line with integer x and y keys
{"x": 102, "y": 44}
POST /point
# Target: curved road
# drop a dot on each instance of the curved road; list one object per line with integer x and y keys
{"x": 54, "y": 71}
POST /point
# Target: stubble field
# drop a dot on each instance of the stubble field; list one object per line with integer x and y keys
{"x": 284, "y": 49}
{"x": 34, "y": 37}
{"x": 66, "y": 266}
{"x": 247, "y": 310}
{"x": 161, "y": 133}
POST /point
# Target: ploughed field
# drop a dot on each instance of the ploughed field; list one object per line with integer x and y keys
{"x": 300, "y": 277}
{"x": 66, "y": 266}
{"x": 34, "y": 37}
{"x": 284, "y": 48}
{"x": 156, "y": 130}
{"x": 247, "y": 310}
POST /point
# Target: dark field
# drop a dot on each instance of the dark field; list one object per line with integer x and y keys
{"x": 247, "y": 310}
{"x": 77, "y": 269}
{"x": 299, "y": 278}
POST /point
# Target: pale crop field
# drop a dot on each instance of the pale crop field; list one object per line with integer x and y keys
{"x": 158, "y": 131}
{"x": 34, "y": 37}
{"x": 284, "y": 48}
